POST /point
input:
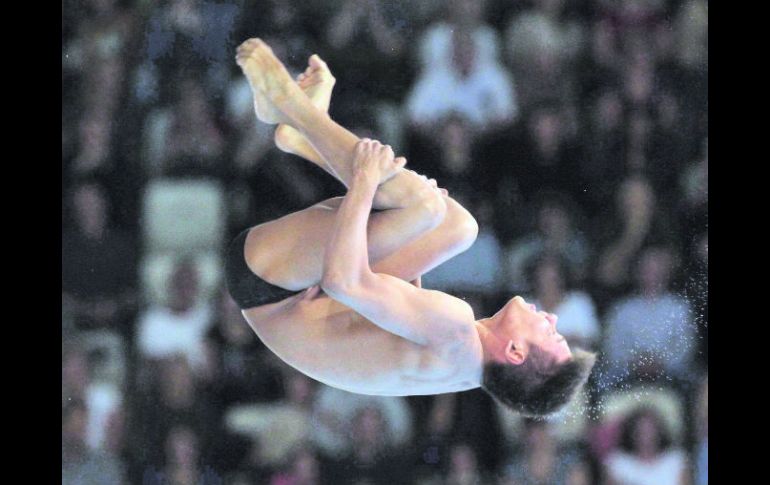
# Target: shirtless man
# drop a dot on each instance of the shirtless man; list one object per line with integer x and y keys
{"x": 326, "y": 288}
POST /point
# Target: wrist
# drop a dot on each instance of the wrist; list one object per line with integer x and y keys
{"x": 364, "y": 178}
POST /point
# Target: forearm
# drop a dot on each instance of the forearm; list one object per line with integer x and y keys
{"x": 346, "y": 258}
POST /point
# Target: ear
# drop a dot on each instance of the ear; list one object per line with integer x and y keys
{"x": 514, "y": 355}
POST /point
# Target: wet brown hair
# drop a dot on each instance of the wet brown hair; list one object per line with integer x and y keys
{"x": 538, "y": 387}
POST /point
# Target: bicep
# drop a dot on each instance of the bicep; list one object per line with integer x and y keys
{"x": 422, "y": 316}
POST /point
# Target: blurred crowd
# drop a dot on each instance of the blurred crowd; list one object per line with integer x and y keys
{"x": 576, "y": 132}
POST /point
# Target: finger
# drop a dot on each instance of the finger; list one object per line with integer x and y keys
{"x": 400, "y": 162}
{"x": 444, "y": 192}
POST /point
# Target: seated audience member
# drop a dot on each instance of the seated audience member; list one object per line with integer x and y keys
{"x": 180, "y": 324}
{"x": 176, "y": 398}
{"x": 333, "y": 428}
{"x": 464, "y": 467}
{"x": 460, "y": 72}
{"x": 304, "y": 468}
{"x": 541, "y": 45}
{"x": 638, "y": 220}
{"x": 556, "y": 233}
{"x": 243, "y": 369}
{"x": 649, "y": 334}
{"x": 79, "y": 463}
{"x": 646, "y": 455}
{"x": 372, "y": 459}
{"x": 98, "y": 262}
{"x": 103, "y": 401}
{"x": 542, "y": 460}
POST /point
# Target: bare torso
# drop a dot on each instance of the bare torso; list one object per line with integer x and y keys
{"x": 329, "y": 342}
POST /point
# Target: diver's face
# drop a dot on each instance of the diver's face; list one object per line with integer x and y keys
{"x": 536, "y": 328}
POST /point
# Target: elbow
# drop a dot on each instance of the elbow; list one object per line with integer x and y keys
{"x": 336, "y": 285}
{"x": 332, "y": 284}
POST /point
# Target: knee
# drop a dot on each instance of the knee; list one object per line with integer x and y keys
{"x": 465, "y": 229}
{"x": 434, "y": 206}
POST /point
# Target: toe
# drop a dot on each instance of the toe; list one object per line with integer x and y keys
{"x": 316, "y": 62}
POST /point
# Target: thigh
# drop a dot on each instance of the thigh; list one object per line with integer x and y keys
{"x": 288, "y": 252}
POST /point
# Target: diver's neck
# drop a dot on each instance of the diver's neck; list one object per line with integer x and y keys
{"x": 490, "y": 343}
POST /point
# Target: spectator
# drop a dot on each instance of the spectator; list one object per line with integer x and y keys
{"x": 98, "y": 54}
{"x": 179, "y": 325}
{"x": 637, "y": 221}
{"x": 553, "y": 293}
{"x": 556, "y": 232}
{"x": 448, "y": 155}
{"x": 98, "y": 263}
{"x": 304, "y": 469}
{"x": 195, "y": 142}
{"x": 638, "y": 133}
{"x": 175, "y": 400}
{"x": 103, "y": 401}
{"x": 542, "y": 43}
{"x": 646, "y": 455}
{"x": 670, "y": 145}
{"x": 243, "y": 370}
{"x": 607, "y": 141}
{"x": 435, "y": 433}
{"x": 599, "y": 65}
{"x": 368, "y": 39}
{"x": 460, "y": 73}
{"x": 691, "y": 25}
{"x": 464, "y": 467}
{"x": 333, "y": 428}
{"x": 372, "y": 458}
{"x": 541, "y": 460}
{"x": 94, "y": 147}
{"x": 469, "y": 418}
{"x": 183, "y": 461}
{"x": 188, "y": 36}
{"x": 291, "y": 418}
{"x": 693, "y": 208}
{"x": 540, "y": 155}
{"x": 81, "y": 465}
{"x": 650, "y": 334}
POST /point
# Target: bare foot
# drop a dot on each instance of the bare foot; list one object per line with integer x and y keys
{"x": 269, "y": 80}
{"x": 317, "y": 83}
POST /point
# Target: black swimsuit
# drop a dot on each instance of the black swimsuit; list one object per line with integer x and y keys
{"x": 247, "y": 289}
